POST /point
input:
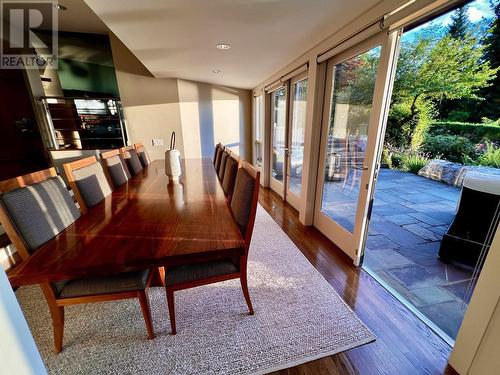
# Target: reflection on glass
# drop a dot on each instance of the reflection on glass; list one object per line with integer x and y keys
{"x": 86, "y": 124}
{"x": 278, "y": 102}
{"x": 351, "y": 102}
{"x": 299, "y": 104}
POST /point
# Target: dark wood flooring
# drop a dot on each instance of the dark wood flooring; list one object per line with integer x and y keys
{"x": 404, "y": 344}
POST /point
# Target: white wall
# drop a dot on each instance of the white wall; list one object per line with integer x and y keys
{"x": 201, "y": 114}
{"x": 18, "y": 352}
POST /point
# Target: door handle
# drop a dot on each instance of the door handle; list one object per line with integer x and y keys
{"x": 363, "y": 168}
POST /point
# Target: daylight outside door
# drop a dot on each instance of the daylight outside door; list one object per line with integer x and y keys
{"x": 358, "y": 82}
{"x": 294, "y": 150}
{"x": 278, "y": 140}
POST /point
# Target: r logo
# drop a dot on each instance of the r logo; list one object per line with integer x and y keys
{"x": 29, "y": 34}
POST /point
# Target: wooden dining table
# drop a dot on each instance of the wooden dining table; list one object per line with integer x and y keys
{"x": 147, "y": 222}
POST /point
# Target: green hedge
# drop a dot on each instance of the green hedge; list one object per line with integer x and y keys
{"x": 473, "y": 132}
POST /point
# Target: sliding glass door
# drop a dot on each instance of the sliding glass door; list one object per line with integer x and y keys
{"x": 357, "y": 84}
{"x": 295, "y": 146}
{"x": 278, "y": 139}
{"x": 288, "y": 119}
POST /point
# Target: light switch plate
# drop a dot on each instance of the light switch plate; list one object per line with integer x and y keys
{"x": 157, "y": 141}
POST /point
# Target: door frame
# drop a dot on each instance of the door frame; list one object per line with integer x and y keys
{"x": 276, "y": 185}
{"x": 353, "y": 243}
{"x": 291, "y": 197}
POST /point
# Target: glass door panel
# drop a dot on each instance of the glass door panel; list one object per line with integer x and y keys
{"x": 353, "y": 84}
{"x": 357, "y": 93}
{"x": 296, "y": 143}
{"x": 278, "y": 139}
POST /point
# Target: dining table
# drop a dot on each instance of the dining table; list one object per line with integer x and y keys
{"x": 147, "y": 222}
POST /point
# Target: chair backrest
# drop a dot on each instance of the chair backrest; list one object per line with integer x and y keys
{"x": 132, "y": 159}
{"x": 88, "y": 181}
{"x": 218, "y": 158}
{"x": 34, "y": 208}
{"x": 115, "y": 167}
{"x": 217, "y": 146}
{"x": 222, "y": 167}
{"x": 230, "y": 176}
{"x": 143, "y": 154}
{"x": 245, "y": 198}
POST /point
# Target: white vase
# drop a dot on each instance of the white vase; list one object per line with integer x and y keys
{"x": 173, "y": 164}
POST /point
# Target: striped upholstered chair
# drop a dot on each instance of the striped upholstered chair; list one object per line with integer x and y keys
{"x": 142, "y": 154}
{"x": 132, "y": 159}
{"x": 115, "y": 166}
{"x": 231, "y": 168}
{"x": 36, "y": 207}
{"x": 218, "y": 158}
{"x": 222, "y": 167}
{"x": 88, "y": 181}
{"x": 244, "y": 208}
{"x": 216, "y": 151}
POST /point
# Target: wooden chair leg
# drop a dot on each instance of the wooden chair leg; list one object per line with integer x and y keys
{"x": 57, "y": 314}
{"x": 244, "y": 287}
{"x": 171, "y": 308}
{"x": 161, "y": 275}
{"x": 144, "y": 301}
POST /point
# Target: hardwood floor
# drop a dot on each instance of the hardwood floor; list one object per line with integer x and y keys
{"x": 404, "y": 344}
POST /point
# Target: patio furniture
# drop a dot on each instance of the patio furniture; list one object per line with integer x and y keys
{"x": 467, "y": 240}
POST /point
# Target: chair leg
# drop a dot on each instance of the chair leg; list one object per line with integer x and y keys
{"x": 161, "y": 275}
{"x": 244, "y": 287}
{"x": 171, "y": 308}
{"x": 57, "y": 314}
{"x": 144, "y": 301}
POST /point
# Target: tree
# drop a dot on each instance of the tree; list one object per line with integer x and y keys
{"x": 431, "y": 69}
{"x": 460, "y": 24}
{"x": 490, "y": 107}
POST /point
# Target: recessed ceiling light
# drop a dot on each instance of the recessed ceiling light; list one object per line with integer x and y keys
{"x": 61, "y": 7}
{"x": 223, "y": 46}
{"x": 216, "y": 71}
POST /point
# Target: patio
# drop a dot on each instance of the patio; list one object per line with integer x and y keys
{"x": 410, "y": 215}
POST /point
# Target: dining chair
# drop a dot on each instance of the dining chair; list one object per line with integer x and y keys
{"x": 143, "y": 154}
{"x": 218, "y": 158}
{"x": 244, "y": 208}
{"x": 115, "y": 167}
{"x": 231, "y": 169}
{"x": 216, "y": 151}
{"x": 222, "y": 167}
{"x": 88, "y": 181}
{"x": 35, "y": 208}
{"x": 132, "y": 159}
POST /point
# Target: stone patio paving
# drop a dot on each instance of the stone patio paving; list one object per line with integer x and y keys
{"x": 410, "y": 216}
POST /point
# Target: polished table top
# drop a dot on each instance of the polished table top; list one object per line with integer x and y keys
{"x": 146, "y": 222}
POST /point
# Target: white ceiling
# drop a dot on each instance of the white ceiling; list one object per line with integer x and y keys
{"x": 177, "y": 38}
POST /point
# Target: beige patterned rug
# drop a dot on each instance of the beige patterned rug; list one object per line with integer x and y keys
{"x": 298, "y": 318}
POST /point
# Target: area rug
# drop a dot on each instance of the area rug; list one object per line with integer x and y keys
{"x": 298, "y": 318}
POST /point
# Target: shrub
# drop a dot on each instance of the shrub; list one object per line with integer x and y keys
{"x": 491, "y": 157}
{"x": 413, "y": 162}
{"x": 458, "y": 115}
{"x": 386, "y": 157}
{"x": 425, "y": 114}
{"x": 450, "y": 147}
{"x": 406, "y": 129}
{"x": 474, "y": 132}
{"x": 396, "y": 160}
{"x": 399, "y": 129}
